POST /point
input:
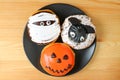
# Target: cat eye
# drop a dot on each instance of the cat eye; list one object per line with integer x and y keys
{"x": 79, "y": 27}
{"x": 53, "y": 55}
{"x": 65, "y": 57}
{"x": 82, "y": 38}
{"x": 72, "y": 34}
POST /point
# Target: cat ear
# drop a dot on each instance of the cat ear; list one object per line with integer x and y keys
{"x": 74, "y": 21}
{"x": 89, "y": 29}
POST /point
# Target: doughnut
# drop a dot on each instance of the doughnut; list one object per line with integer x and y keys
{"x": 43, "y": 27}
{"x": 57, "y": 59}
{"x": 78, "y": 31}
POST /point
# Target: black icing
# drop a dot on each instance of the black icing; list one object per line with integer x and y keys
{"x": 53, "y": 55}
{"x": 44, "y": 23}
{"x": 59, "y": 60}
{"x": 65, "y": 57}
{"x": 59, "y": 71}
{"x": 89, "y": 29}
{"x": 78, "y": 32}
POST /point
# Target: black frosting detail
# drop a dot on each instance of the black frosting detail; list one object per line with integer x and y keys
{"x": 44, "y": 23}
{"x": 89, "y": 29}
{"x": 59, "y": 71}
{"x": 53, "y": 55}
{"x": 65, "y": 57}
{"x": 58, "y": 60}
{"x": 78, "y": 32}
{"x": 74, "y": 21}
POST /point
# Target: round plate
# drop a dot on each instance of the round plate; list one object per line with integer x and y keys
{"x": 33, "y": 51}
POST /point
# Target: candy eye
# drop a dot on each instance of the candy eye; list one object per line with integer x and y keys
{"x": 53, "y": 55}
{"x": 72, "y": 34}
{"x": 65, "y": 57}
{"x": 82, "y": 38}
{"x": 42, "y": 23}
{"x": 48, "y": 23}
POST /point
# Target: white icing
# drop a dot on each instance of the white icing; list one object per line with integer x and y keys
{"x": 43, "y": 17}
{"x": 41, "y": 33}
{"x": 65, "y": 28}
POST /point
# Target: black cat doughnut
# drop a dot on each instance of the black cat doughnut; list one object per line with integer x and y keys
{"x": 78, "y": 31}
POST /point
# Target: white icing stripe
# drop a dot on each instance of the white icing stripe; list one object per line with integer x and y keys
{"x": 41, "y": 15}
{"x": 42, "y": 38}
{"x": 43, "y": 34}
{"x": 43, "y": 19}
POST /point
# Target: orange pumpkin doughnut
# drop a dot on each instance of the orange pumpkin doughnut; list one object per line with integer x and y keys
{"x": 57, "y": 59}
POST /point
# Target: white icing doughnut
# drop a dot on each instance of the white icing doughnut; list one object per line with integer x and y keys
{"x": 43, "y": 27}
{"x": 84, "y": 20}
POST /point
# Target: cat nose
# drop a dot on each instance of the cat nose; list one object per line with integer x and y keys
{"x": 58, "y": 60}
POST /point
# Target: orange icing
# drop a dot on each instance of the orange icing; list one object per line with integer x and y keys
{"x": 57, "y": 59}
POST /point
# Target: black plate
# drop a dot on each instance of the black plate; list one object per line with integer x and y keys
{"x": 33, "y": 51}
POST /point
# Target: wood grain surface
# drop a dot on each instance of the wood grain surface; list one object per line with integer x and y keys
{"x": 105, "y": 64}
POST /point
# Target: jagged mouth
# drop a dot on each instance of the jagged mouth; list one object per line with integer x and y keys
{"x": 59, "y": 71}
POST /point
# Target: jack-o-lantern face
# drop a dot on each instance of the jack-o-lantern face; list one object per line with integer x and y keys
{"x": 57, "y": 59}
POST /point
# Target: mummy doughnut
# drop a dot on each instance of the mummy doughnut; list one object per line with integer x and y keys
{"x": 57, "y": 59}
{"x": 78, "y": 31}
{"x": 43, "y": 27}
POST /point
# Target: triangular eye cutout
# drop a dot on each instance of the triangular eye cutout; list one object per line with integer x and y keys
{"x": 89, "y": 29}
{"x": 53, "y": 55}
{"x": 65, "y": 57}
{"x": 74, "y": 21}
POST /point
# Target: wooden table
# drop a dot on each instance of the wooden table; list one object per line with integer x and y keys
{"x": 105, "y": 64}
